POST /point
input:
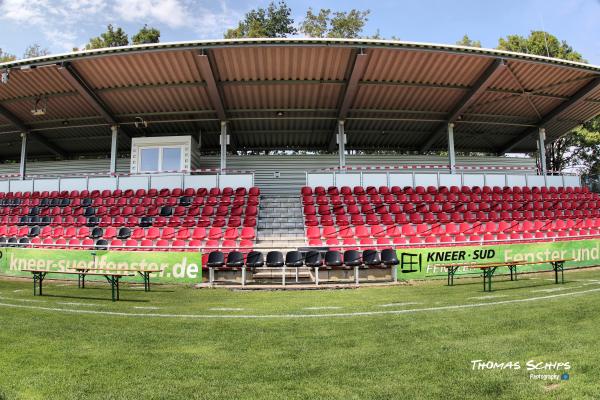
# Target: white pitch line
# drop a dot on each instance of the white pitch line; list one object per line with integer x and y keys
{"x": 322, "y": 308}
{"x": 397, "y": 304}
{"x": 25, "y": 300}
{"x": 493, "y": 296}
{"x": 76, "y": 304}
{"x": 291, "y": 316}
{"x": 558, "y": 289}
{"x": 17, "y": 291}
{"x": 592, "y": 283}
{"x": 147, "y": 308}
{"x": 225, "y": 309}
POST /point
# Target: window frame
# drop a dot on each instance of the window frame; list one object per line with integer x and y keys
{"x": 160, "y": 157}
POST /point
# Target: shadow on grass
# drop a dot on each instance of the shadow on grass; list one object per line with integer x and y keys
{"x": 106, "y": 298}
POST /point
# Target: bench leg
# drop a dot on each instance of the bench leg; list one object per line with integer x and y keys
{"x": 513, "y": 272}
{"x": 356, "y": 276}
{"x": 558, "y": 266}
{"x": 317, "y": 276}
{"x": 487, "y": 278}
{"x": 243, "y": 276}
{"x": 451, "y": 272}
{"x": 146, "y": 276}
{"x": 283, "y": 276}
{"x": 38, "y": 279}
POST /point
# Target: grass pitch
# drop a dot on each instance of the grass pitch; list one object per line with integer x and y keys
{"x": 402, "y": 342}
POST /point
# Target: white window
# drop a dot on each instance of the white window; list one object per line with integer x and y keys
{"x": 171, "y": 159}
{"x": 149, "y": 159}
{"x": 160, "y": 159}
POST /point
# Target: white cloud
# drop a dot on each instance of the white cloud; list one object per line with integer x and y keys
{"x": 66, "y": 23}
{"x": 205, "y": 21}
{"x": 170, "y": 12}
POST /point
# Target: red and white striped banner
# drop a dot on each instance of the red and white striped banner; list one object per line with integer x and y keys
{"x": 425, "y": 166}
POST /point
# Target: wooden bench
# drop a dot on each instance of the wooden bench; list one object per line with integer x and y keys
{"x": 488, "y": 269}
{"x": 112, "y": 277}
{"x": 145, "y": 274}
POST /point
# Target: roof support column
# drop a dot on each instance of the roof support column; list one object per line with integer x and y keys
{"x": 114, "y": 129}
{"x": 341, "y": 139}
{"x": 542, "y": 150}
{"x": 23, "y": 165}
{"x": 224, "y": 139}
{"x": 451, "y": 154}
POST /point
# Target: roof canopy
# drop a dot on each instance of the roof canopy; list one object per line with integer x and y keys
{"x": 290, "y": 93}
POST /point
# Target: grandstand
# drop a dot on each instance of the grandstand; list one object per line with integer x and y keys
{"x": 281, "y": 144}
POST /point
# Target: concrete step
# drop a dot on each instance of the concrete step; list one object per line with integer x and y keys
{"x": 278, "y": 232}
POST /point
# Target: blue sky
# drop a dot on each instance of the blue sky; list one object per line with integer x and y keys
{"x": 60, "y": 25}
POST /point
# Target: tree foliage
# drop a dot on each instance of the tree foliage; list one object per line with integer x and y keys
{"x": 146, "y": 35}
{"x": 35, "y": 50}
{"x": 540, "y": 43}
{"x": 467, "y": 41}
{"x": 273, "y": 22}
{"x": 6, "y": 57}
{"x": 337, "y": 24}
{"x": 111, "y": 38}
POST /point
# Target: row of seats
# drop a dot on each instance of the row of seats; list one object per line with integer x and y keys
{"x": 124, "y": 244}
{"x": 176, "y": 192}
{"x": 125, "y": 232}
{"x": 443, "y": 218}
{"x": 131, "y": 221}
{"x": 383, "y": 190}
{"x": 297, "y": 259}
{"x": 408, "y": 203}
{"x": 131, "y": 201}
{"x": 446, "y": 208}
{"x": 164, "y": 211}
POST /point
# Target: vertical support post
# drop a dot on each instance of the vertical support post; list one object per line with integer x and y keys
{"x": 114, "y": 129}
{"x": 23, "y": 165}
{"x": 223, "y": 141}
{"x": 451, "y": 154}
{"x": 341, "y": 138}
{"x": 542, "y": 149}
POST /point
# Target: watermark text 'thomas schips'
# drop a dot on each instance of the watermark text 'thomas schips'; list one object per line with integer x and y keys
{"x": 530, "y": 365}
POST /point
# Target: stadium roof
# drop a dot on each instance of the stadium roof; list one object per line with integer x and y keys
{"x": 290, "y": 93}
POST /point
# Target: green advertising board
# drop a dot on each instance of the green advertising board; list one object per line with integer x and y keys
{"x": 182, "y": 267}
{"x": 425, "y": 262}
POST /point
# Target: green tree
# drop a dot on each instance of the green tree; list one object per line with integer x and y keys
{"x": 338, "y": 24}
{"x": 467, "y": 41}
{"x": 274, "y": 21}
{"x": 540, "y": 43}
{"x": 6, "y": 57}
{"x": 146, "y": 35}
{"x": 35, "y": 50}
{"x": 111, "y": 38}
